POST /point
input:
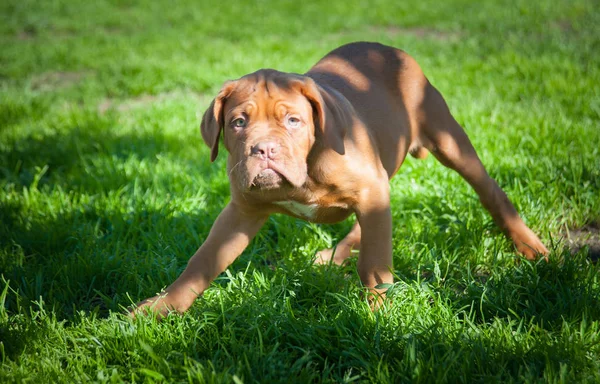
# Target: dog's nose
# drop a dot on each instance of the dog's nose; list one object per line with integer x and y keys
{"x": 265, "y": 149}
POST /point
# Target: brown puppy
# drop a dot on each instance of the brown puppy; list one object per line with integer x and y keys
{"x": 322, "y": 146}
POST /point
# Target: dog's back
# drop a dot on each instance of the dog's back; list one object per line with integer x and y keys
{"x": 386, "y": 87}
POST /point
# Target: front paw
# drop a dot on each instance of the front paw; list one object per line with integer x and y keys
{"x": 338, "y": 255}
{"x": 160, "y": 305}
{"x": 324, "y": 256}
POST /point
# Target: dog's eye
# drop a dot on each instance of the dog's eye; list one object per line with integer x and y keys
{"x": 239, "y": 123}
{"x": 293, "y": 122}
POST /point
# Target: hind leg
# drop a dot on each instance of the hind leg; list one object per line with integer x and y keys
{"x": 343, "y": 249}
{"x": 448, "y": 142}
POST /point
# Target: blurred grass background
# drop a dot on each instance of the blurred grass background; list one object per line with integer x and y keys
{"x": 106, "y": 189}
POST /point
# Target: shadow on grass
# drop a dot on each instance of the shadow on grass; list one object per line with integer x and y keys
{"x": 545, "y": 294}
{"x": 89, "y": 260}
{"x": 94, "y": 157}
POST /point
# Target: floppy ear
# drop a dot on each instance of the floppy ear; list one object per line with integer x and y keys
{"x": 332, "y": 113}
{"x": 212, "y": 121}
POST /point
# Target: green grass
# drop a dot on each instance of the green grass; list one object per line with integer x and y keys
{"x": 106, "y": 189}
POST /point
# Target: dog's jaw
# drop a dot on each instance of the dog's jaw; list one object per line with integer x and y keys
{"x": 268, "y": 174}
{"x": 268, "y": 178}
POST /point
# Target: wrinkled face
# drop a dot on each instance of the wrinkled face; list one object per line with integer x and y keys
{"x": 269, "y": 121}
{"x": 268, "y": 131}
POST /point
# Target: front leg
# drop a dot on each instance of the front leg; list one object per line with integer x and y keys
{"x": 374, "y": 216}
{"x": 229, "y": 236}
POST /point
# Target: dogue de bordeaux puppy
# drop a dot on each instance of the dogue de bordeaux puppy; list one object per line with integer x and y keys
{"x": 322, "y": 146}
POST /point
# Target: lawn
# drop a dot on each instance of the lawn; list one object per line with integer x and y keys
{"x": 106, "y": 190}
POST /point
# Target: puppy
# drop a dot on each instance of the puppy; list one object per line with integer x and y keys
{"x": 322, "y": 146}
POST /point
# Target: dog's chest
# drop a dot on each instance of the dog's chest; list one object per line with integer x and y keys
{"x": 319, "y": 212}
{"x": 302, "y": 210}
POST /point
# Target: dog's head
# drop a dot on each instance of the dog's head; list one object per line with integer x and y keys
{"x": 270, "y": 122}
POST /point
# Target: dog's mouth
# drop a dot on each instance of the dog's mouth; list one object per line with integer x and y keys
{"x": 271, "y": 175}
